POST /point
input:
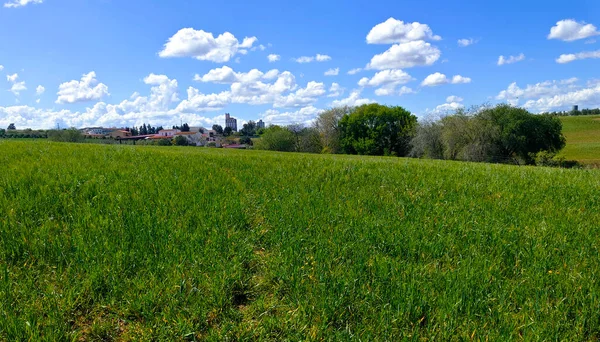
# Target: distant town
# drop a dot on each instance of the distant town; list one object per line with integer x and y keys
{"x": 194, "y": 135}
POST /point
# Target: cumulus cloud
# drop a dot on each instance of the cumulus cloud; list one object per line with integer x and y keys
{"x": 510, "y": 59}
{"x": 309, "y": 59}
{"x": 332, "y": 72}
{"x": 203, "y": 46}
{"x": 12, "y": 78}
{"x": 453, "y": 98}
{"x": 350, "y": 72}
{"x": 405, "y": 90}
{"x": 88, "y": 89}
{"x": 302, "y": 116}
{"x": 17, "y": 87}
{"x": 589, "y": 97}
{"x": 21, "y": 3}
{"x": 226, "y": 75}
{"x": 335, "y": 90}
{"x": 569, "y": 30}
{"x": 302, "y": 96}
{"x": 513, "y": 93}
{"x": 568, "y": 58}
{"x": 396, "y": 31}
{"x": 40, "y": 90}
{"x": 1, "y": 67}
{"x": 466, "y": 42}
{"x": 406, "y": 55}
{"x": 354, "y": 99}
{"x": 273, "y": 57}
{"x": 388, "y": 80}
{"x": 437, "y": 79}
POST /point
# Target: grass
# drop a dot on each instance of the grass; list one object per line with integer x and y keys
{"x": 583, "y": 138}
{"x": 147, "y": 243}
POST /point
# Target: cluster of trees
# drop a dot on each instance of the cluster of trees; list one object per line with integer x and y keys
{"x": 500, "y": 134}
{"x": 144, "y": 130}
{"x": 24, "y": 134}
{"x": 66, "y": 135}
{"x": 293, "y": 138}
{"x": 595, "y": 111}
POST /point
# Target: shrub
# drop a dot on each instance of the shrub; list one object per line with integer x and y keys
{"x": 66, "y": 135}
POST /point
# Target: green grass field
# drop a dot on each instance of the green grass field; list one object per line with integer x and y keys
{"x": 583, "y": 138}
{"x": 148, "y": 243}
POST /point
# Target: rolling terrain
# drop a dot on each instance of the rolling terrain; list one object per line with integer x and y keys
{"x": 152, "y": 243}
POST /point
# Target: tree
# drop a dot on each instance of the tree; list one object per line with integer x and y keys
{"x": 308, "y": 140}
{"x": 327, "y": 124}
{"x": 428, "y": 142}
{"x": 277, "y": 138}
{"x": 180, "y": 140}
{"x": 218, "y": 129}
{"x": 185, "y": 128}
{"x": 246, "y": 140}
{"x": 227, "y": 131}
{"x": 249, "y": 129}
{"x": 374, "y": 129}
{"x": 11, "y": 127}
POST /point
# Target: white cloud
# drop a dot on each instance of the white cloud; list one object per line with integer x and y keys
{"x": 12, "y": 78}
{"x": 18, "y": 87}
{"x": 1, "y": 67}
{"x": 453, "y": 98}
{"x": 458, "y": 79}
{"x": 406, "y": 55}
{"x": 302, "y": 116}
{"x": 569, "y": 30}
{"x": 353, "y": 100}
{"x": 332, "y": 72}
{"x": 466, "y": 42}
{"x": 202, "y": 45}
{"x": 589, "y": 97}
{"x": 20, "y": 3}
{"x": 226, "y": 75}
{"x": 309, "y": 59}
{"x": 335, "y": 90}
{"x": 40, "y": 90}
{"x": 437, "y": 79}
{"x": 388, "y": 80}
{"x": 573, "y": 57}
{"x": 513, "y": 93}
{"x": 511, "y": 59}
{"x": 354, "y": 71}
{"x": 302, "y": 96}
{"x": 405, "y": 90}
{"x": 273, "y": 57}
{"x": 88, "y": 89}
{"x": 396, "y": 31}
{"x": 199, "y": 102}
{"x": 391, "y": 76}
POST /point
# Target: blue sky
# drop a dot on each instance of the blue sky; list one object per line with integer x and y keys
{"x": 122, "y": 63}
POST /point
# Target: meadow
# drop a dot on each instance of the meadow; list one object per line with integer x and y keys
{"x": 128, "y": 243}
{"x": 583, "y": 138}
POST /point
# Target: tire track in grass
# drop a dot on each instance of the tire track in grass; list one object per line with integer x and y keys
{"x": 255, "y": 299}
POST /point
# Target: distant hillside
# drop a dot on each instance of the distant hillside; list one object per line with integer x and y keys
{"x": 583, "y": 138}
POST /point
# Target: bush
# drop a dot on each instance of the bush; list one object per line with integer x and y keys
{"x": 164, "y": 142}
{"x": 550, "y": 159}
{"x": 246, "y": 140}
{"x": 277, "y": 138}
{"x": 65, "y": 135}
{"x": 375, "y": 129}
{"x": 180, "y": 140}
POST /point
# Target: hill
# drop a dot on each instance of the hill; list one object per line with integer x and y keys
{"x": 583, "y": 138}
{"x": 149, "y": 243}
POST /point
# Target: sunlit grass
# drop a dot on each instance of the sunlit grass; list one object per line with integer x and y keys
{"x": 143, "y": 243}
{"x": 583, "y": 138}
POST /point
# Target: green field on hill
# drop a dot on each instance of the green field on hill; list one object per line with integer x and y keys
{"x": 171, "y": 243}
{"x": 583, "y": 138}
